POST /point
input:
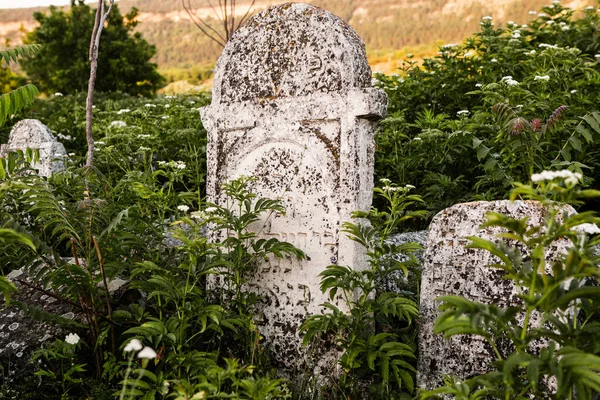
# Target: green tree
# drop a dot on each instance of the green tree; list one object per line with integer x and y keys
{"x": 63, "y": 64}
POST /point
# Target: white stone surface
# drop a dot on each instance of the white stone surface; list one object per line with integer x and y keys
{"x": 293, "y": 106}
{"x": 31, "y": 133}
{"x": 451, "y": 269}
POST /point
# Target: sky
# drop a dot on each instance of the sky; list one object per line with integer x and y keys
{"x": 32, "y": 3}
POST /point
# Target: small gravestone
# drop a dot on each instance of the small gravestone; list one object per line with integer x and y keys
{"x": 32, "y": 134}
{"x": 452, "y": 269}
{"x": 293, "y": 106}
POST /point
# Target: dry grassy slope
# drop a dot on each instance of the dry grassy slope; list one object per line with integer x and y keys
{"x": 390, "y": 28}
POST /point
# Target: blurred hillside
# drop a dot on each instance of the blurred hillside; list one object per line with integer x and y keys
{"x": 390, "y": 28}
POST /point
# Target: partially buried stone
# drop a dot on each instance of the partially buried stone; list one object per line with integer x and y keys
{"x": 32, "y": 134}
{"x": 450, "y": 268}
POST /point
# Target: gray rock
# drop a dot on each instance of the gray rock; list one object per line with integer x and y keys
{"x": 31, "y": 133}
{"x": 397, "y": 282}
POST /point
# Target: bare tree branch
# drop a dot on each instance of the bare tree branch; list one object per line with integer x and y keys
{"x": 216, "y": 36}
{"x": 225, "y": 15}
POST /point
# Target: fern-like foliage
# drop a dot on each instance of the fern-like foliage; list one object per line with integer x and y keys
{"x": 15, "y": 101}
{"x": 26, "y": 50}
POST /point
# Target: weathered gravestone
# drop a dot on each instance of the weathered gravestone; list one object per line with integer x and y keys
{"x": 452, "y": 269}
{"x": 31, "y": 133}
{"x": 293, "y": 106}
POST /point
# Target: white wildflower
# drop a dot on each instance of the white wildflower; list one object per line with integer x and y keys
{"x": 565, "y": 28}
{"x": 508, "y": 80}
{"x": 409, "y": 187}
{"x": 149, "y": 105}
{"x": 487, "y": 18}
{"x": 58, "y": 94}
{"x": 469, "y": 53}
{"x": 548, "y": 46}
{"x": 165, "y": 116}
{"x": 64, "y": 137}
{"x": 118, "y": 124}
{"x": 478, "y": 85}
{"x": 555, "y": 1}
{"x": 516, "y": 34}
{"x": 588, "y": 228}
{"x": 100, "y": 143}
{"x": 523, "y": 26}
{"x": 133, "y": 345}
{"x": 385, "y": 181}
{"x": 589, "y": 8}
{"x": 573, "y": 91}
{"x": 597, "y": 56}
{"x": 183, "y": 208}
{"x": 494, "y": 60}
{"x": 123, "y": 111}
{"x": 531, "y": 53}
{"x": 449, "y": 46}
{"x": 569, "y": 177}
{"x": 417, "y": 139}
{"x": 544, "y": 78}
{"x": 550, "y": 22}
{"x": 199, "y": 215}
{"x": 180, "y": 165}
{"x": 143, "y": 136}
{"x": 542, "y": 15}
{"x": 72, "y": 338}
{"x": 144, "y": 148}
{"x": 462, "y": 112}
{"x": 210, "y": 209}
{"x": 147, "y": 352}
{"x": 167, "y": 105}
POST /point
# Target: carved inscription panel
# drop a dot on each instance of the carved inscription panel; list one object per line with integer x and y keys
{"x": 300, "y": 167}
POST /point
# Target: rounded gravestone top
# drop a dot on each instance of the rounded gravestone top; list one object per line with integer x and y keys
{"x": 290, "y": 50}
{"x": 29, "y": 133}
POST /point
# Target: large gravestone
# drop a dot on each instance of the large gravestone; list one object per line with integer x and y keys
{"x": 450, "y": 268}
{"x": 293, "y": 106}
{"x": 32, "y": 134}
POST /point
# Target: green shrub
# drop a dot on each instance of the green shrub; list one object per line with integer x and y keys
{"x": 481, "y": 115}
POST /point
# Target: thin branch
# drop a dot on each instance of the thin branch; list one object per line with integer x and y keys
{"x": 226, "y": 21}
{"x": 226, "y": 16}
{"x": 248, "y": 12}
{"x": 193, "y": 18}
{"x": 94, "y": 45}
{"x": 106, "y": 292}
{"x": 233, "y": 17}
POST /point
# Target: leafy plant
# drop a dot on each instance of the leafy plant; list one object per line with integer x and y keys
{"x": 563, "y": 294}
{"x": 17, "y": 100}
{"x": 374, "y": 330}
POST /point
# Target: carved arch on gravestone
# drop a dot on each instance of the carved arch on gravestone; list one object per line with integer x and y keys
{"x": 290, "y": 50}
{"x": 282, "y": 164}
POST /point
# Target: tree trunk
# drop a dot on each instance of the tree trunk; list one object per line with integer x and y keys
{"x": 94, "y": 44}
